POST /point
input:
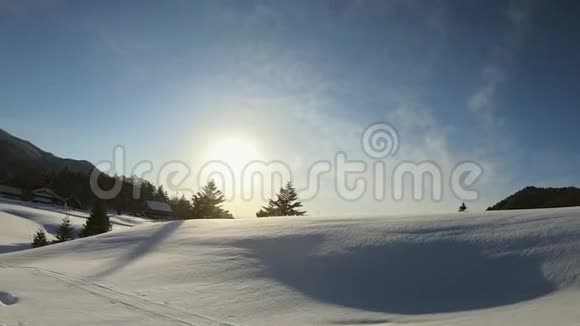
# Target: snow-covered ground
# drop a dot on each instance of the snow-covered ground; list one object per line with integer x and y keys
{"x": 503, "y": 268}
{"x": 20, "y": 220}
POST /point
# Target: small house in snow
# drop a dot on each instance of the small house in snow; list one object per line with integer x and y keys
{"x": 11, "y": 192}
{"x": 158, "y": 210}
{"x": 47, "y": 196}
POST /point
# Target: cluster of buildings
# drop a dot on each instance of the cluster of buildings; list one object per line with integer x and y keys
{"x": 45, "y": 195}
{"x": 42, "y": 195}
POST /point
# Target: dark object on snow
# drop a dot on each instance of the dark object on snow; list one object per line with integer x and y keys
{"x": 65, "y": 231}
{"x": 39, "y": 239}
{"x": 98, "y": 222}
{"x": 462, "y": 208}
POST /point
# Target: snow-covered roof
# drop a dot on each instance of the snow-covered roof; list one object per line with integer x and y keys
{"x": 159, "y": 206}
{"x": 46, "y": 192}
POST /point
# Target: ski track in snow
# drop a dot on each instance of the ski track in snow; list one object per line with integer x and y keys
{"x": 500, "y": 268}
{"x": 133, "y": 302}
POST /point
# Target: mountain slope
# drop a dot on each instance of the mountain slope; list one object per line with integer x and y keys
{"x": 19, "y": 157}
{"x": 533, "y": 197}
{"x": 498, "y": 268}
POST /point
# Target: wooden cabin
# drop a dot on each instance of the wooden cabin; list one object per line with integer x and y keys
{"x": 10, "y": 192}
{"x": 158, "y": 210}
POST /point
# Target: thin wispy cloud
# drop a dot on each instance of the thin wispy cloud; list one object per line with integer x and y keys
{"x": 303, "y": 79}
{"x": 495, "y": 72}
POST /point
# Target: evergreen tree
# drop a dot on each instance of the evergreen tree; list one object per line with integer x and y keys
{"x": 39, "y": 239}
{"x": 269, "y": 210}
{"x": 98, "y": 222}
{"x": 286, "y": 204}
{"x": 161, "y": 195}
{"x": 148, "y": 191}
{"x": 181, "y": 207}
{"x": 65, "y": 231}
{"x": 207, "y": 203}
{"x": 462, "y": 208}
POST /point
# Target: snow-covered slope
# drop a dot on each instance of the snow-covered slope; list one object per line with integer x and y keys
{"x": 20, "y": 220}
{"x": 501, "y": 268}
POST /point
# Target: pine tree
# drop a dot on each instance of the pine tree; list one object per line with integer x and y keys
{"x": 270, "y": 210}
{"x": 65, "y": 231}
{"x": 98, "y": 222}
{"x": 181, "y": 207}
{"x": 148, "y": 191}
{"x": 286, "y": 204}
{"x": 161, "y": 195}
{"x": 39, "y": 239}
{"x": 292, "y": 205}
{"x": 462, "y": 208}
{"x": 208, "y": 203}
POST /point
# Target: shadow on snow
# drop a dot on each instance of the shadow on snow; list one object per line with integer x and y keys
{"x": 144, "y": 246}
{"x": 400, "y": 277}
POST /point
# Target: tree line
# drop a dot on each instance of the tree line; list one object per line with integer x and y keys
{"x": 207, "y": 203}
{"x": 135, "y": 192}
{"x": 97, "y": 223}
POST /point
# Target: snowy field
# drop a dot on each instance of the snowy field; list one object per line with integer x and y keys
{"x": 20, "y": 220}
{"x": 502, "y": 268}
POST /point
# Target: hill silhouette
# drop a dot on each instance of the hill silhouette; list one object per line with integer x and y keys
{"x": 21, "y": 158}
{"x": 535, "y": 197}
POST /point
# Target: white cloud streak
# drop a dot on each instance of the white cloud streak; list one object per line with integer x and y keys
{"x": 495, "y": 72}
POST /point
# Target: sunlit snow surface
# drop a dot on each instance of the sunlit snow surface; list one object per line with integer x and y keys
{"x": 20, "y": 220}
{"x": 506, "y": 268}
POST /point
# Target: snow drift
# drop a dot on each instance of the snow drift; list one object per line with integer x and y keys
{"x": 509, "y": 268}
{"x": 20, "y": 220}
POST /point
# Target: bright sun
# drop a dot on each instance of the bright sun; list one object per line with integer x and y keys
{"x": 235, "y": 151}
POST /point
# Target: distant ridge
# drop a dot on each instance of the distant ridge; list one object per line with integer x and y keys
{"x": 19, "y": 157}
{"x": 534, "y": 197}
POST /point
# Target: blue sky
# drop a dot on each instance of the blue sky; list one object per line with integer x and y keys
{"x": 495, "y": 82}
